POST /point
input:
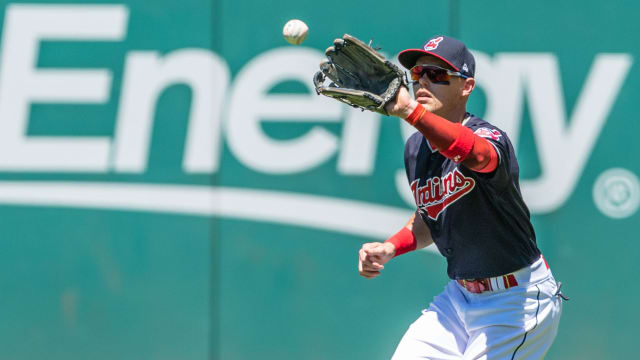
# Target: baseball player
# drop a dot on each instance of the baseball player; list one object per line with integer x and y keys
{"x": 502, "y": 301}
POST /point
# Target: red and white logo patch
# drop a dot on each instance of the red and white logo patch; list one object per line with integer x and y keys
{"x": 440, "y": 192}
{"x": 488, "y": 133}
{"x": 433, "y": 43}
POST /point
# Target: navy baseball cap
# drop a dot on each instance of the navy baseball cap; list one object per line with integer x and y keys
{"x": 447, "y": 49}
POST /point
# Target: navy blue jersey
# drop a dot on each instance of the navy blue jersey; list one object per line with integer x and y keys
{"x": 479, "y": 222}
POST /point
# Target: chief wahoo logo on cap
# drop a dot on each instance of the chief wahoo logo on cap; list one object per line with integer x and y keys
{"x": 433, "y": 43}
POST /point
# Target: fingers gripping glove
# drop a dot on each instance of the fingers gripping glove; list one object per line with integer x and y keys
{"x": 360, "y": 76}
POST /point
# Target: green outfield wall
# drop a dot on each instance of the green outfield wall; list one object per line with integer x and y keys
{"x": 172, "y": 188}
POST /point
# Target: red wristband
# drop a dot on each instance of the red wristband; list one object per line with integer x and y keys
{"x": 416, "y": 114}
{"x": 404, "y": 241}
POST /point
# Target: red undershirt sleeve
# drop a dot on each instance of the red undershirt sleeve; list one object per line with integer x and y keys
{"x": 455, "y": 141}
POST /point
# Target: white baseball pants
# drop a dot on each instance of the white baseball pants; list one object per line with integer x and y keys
{"x": 516, "y": 323}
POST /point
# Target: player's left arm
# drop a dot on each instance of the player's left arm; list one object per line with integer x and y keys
{"x": 483, "y": 156}
{"x": 453, "y": 140}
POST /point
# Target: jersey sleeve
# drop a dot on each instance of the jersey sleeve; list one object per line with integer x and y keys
{"x": 507, "y": 162}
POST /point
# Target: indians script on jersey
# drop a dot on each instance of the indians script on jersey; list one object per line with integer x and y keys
{"x": 440, "y": 192}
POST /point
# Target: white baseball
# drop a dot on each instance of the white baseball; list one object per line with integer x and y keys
{"x": 295, "y": 31}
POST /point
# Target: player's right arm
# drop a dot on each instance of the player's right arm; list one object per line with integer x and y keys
{"x": 413, "y": 236}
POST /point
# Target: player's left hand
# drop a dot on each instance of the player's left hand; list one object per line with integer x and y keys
{"x": 373, "y": 256}
{"x": 360, "y": 76}
{"x": 402, "y": 105}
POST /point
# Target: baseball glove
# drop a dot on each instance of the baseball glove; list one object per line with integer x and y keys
{"x": 361, "y": 77}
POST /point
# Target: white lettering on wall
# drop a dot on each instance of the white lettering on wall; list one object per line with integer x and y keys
{"x": 251, "y": 106}
{"x": 359, "y": 142}
{"x": 564, "y": 139}
{"x": 146, "y": 76}
{"x": 22, "y": 84}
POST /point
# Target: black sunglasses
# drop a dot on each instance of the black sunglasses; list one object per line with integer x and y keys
{"x": 436, "y": 74}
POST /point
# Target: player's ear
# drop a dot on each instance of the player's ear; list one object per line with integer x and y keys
{"x": 469, "y": 85}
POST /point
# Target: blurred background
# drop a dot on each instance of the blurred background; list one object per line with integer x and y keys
{"x": 172, "y": 188}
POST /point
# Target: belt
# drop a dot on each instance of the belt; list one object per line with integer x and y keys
{"x": 478, "y": 286}
{"x": 503, "y": 282}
